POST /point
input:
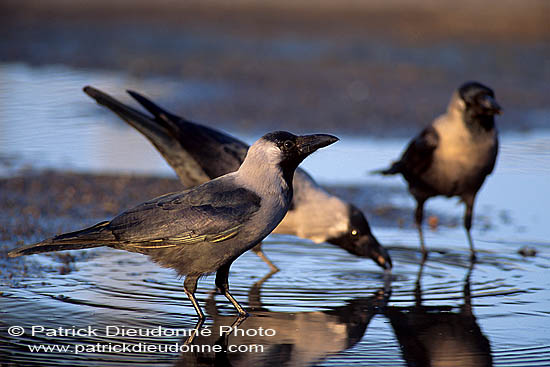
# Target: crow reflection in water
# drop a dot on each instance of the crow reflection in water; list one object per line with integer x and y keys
{"x": 427, "y": 335}
{"x": 301, "y": 338}
{"x": 438, "y": 336}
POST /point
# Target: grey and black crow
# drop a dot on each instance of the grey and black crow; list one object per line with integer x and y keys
{"x": 453, "y": 155}
{"x": 199, "y": 153}
{"x": 204, "y": 229}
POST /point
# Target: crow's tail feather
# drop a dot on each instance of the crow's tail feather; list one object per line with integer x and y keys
{"x": 151, "y": 128}
{"x": 395, "y": 168}
{"x": 94, "y": 236}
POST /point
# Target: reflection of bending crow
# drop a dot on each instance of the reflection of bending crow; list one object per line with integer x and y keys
{"x": 199, "y": 153}
{"x": 204, "y": 229}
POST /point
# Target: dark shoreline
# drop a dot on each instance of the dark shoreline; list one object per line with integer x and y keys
{"x": 408, "y": 21}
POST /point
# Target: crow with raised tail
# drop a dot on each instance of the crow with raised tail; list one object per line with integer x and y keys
{"x": 198, "y": 153}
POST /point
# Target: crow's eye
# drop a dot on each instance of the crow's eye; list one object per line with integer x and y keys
{"x": 288, "y": 144}
{"x": 354, "y": 233}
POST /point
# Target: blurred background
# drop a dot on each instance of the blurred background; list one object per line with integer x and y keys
{"x": 357, "y": 68}
{"x": 371, "y": 72}
{"x": 352, "y": 66}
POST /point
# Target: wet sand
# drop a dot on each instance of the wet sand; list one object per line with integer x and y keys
{"x": 36, "y": 205}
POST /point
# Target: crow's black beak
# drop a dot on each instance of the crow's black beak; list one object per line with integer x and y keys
{"x": 377, "y": 252}
{"x": 490, "y": 104}
{"x": 308, "y": 144}
{"x": 365, "y": 245}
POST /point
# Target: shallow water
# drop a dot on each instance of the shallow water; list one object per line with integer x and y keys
{"x": 325, "y": 306}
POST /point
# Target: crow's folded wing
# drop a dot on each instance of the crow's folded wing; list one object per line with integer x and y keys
{"x": 212, "y": 212}
{"x": 418, "y": 156}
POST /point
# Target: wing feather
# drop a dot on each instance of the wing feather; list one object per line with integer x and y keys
{"x": 418, "y": 156}
{"x": 211, "y": 213}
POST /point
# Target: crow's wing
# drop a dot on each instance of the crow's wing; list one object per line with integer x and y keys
{"x": 212, "y": 212}
{"x": 493, "y": 160}
{"x": 418, "y": 156}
